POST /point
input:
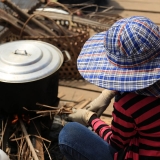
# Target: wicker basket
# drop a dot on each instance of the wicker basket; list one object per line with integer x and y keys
{"x": 72, "y": 44}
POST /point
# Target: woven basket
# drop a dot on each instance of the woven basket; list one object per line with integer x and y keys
{"x": 72, "y": 44}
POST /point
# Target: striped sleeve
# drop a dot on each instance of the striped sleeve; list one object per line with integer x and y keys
{"x": 121, "y": 130}
{"x": 101, "y": 128}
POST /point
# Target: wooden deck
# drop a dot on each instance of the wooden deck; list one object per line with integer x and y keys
{"x": 127, "y": 8}
{"x": 78, "y": 89}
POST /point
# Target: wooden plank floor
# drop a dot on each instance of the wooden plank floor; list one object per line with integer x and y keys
{"x": 73, "y": 90}
{"x": 127, "y": 8}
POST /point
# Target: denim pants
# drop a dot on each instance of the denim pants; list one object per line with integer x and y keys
{"x": 77, "y": 142}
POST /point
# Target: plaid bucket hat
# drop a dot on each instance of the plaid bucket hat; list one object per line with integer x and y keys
{"x": 124, "y": 58}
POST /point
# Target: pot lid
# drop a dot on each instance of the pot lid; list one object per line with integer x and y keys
{"x": 28, "y": 60}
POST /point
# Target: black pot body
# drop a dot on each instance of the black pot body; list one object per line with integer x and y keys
{"x": 15, "y": 96}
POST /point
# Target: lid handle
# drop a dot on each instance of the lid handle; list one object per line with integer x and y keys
{"x": 67, "y": 55}
{"x": 21, "y": 52}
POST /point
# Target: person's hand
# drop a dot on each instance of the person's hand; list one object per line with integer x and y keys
{"x": 80, "y": 115}
{"x": 100, "y": 104}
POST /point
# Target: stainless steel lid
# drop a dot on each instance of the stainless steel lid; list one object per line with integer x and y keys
{"x": 28, "y": 60}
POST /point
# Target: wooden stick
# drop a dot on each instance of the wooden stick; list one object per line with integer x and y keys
{"x": 60, "y": 95}
{"x": 51, "y": 111}
{"x": 15, "y": 139}
{"x": 43, "y": 105}
{"x": 26, "y": 16}
{"x": 28, "y": 140}
{"x": 42, "y": 141}
{"x": 16, "y": 24}
{"x": 105, "y": 10}
{"x": 3, "y": 131}
{"x": 76, "y": 19}
{"x": 69, "y": 100}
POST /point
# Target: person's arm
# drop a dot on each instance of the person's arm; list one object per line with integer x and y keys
{"x": 121, "y": 130}
{"x": 100, "y": 127}
{"x": 118, "y": 134}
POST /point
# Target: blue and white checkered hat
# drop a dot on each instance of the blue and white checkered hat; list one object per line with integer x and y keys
{"x": 124, "y": 58}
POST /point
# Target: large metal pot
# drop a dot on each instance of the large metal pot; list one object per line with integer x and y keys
{"x": 28, "y": 74}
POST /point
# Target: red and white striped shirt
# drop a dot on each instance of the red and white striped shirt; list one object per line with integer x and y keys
{"x": 135, "y": 128}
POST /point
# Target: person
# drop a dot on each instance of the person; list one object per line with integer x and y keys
{"x": 123, "y": 60}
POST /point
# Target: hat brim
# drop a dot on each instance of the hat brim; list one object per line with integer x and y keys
{"x": 95, "y": 67}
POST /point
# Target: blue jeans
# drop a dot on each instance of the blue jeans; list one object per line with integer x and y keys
{"x": 77, "y": 142}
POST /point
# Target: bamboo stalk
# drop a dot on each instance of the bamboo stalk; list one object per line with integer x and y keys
{"x": 76, "y": 19}
{"x": 26, "y": 16}
{"x": 42, "y": 141}
{"x": 28, "y": 140}
{"x": 16, "y": 139}
{"x": 43, "y": 105}
{"x": 15, "y": 23}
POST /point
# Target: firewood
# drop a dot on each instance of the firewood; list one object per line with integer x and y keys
{"x": 26, "y": 16}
